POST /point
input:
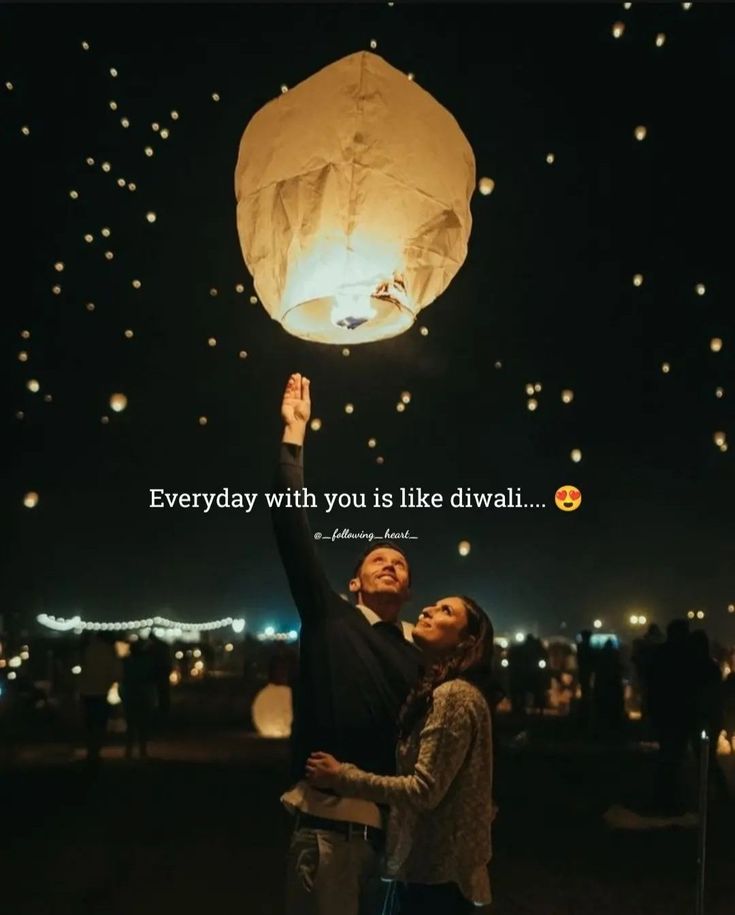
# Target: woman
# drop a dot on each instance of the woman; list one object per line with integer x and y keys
{"x": 438, "y": 843}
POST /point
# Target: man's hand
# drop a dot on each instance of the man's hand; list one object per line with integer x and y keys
{"x": 296, "y": 409}
{"x": 321, "y": 770}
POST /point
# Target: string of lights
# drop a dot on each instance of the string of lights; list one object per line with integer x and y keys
{"x": 77, "y": 624}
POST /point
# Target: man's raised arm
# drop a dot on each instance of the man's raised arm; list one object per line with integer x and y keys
{"x": 309, "y": 587}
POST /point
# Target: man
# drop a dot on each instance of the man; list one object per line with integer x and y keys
{"x": 356, "y": 668}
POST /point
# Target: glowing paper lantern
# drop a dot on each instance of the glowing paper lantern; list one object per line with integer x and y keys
{"x": 486, "y": 186}
{"x": 715, "y": 344}
{"x": 576, "y": 455}
{"x": 353, "y": 194}
{"x": 567, "y": 395}
{"x": 464, "y": 548}
{"x": 719, "y": 439}
{"x": 618, "y": 29}
{"x": 640, "y": 132}
{"x": 665, "y": 368}
{"x": 272, "y": 711}
{"x": 118, "y": 402}
{"x": 30, "y": 499}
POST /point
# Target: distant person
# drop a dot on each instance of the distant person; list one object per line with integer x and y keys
{"x": 519, "y": 677}
{"x": 728, "y": 708}
{"x": 644, "y": 652}
{"x": 608, "y": 692}
{"x": 138, "y": 693}
{"x": 100, "y": 669}
{"x": 538, "y": 672}
{"x": 585, "y": 675}
{"x": 438, "y": 845}
{"x": 162, "y": 666}
{"x": 710, "y": 711}
{"x": 673, "y": 705}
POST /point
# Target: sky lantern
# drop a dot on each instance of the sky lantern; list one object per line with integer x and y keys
{"x": 353, "y": 192}
{"x": 118, "y": 402}
{"x": 272, "y": 711}
{"x": 464, "y": 548}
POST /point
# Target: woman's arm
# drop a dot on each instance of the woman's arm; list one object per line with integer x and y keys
{"x": 443, "y": 744}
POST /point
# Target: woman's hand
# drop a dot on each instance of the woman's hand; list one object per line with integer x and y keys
{"x": 321, "y": 770}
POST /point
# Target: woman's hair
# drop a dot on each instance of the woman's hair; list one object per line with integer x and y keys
{"x": 471, "y": 660}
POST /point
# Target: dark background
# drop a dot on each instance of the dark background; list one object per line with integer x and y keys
{"x": 546, "y": 288}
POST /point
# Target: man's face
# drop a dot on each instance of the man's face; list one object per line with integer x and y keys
{"x": 384, "y": 571}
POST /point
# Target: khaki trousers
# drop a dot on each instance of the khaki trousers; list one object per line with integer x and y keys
{"x": 331, "y": 874}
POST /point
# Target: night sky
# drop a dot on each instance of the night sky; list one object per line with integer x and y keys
{"x": 547, "y": 289}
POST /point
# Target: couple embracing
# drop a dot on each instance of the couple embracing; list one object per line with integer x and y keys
{"x": 392, "y": 737}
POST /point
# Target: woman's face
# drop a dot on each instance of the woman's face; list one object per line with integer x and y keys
{"x": 440, "y": 626}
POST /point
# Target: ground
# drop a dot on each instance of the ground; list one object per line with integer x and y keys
{"x": 199, "y": 828}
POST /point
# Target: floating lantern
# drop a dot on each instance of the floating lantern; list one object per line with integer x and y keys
{"x": 272, "y": 711}
{"x": 30, "y": 499}
{"x": 719, "y": 393}
{"x": 530, "y": 390}
{"x": 486, "y": 186}
{"x": 550, "y": 158}
{"x": 33, "y": 386}
{"x": 567, "y": 395}
{"x": 700, "y": 289}
{"x": 715, "y": 344}
{"x": 640, "y": 132}
{"x": 660, "y": 40}
{"x": 618, "y": 29}
{"x": 316, "y": 425}
{"x": 464, "y": 548}
{"x": 353, "y": 195}
{"x": 719, "y": 439}
{"x": 372, "y": 442}
{"x": 349, "y": 408}
{"x": 202, "y": 420}
{"x": 151, "y": 216}
{"x": 532, "y": 404}
{"x": 118, "y": 402}
{"x": 406, "y": 396}
{"x": 576, "y": 455}
{"x": 401, "y": 407}
{"x": 638, "y": 279}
